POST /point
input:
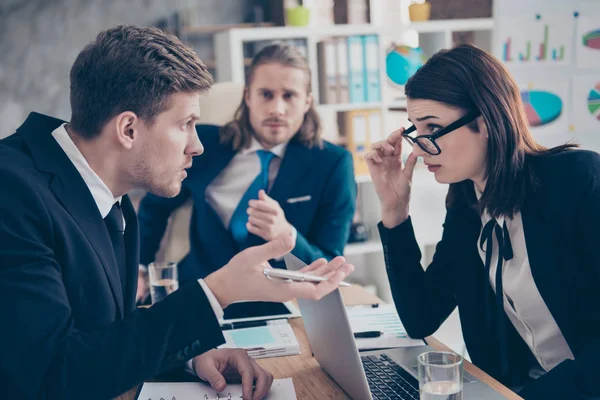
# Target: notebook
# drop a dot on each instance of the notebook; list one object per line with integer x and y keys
{"x": 272, "y": 340}
{"x": 282, "y": 389}
{"x": 383, "y": 318}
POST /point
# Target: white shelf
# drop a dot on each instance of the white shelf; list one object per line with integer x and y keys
{"x": 453, "y": 25}
{"x": 371, "y": 246}
{"x": 349, "y": 106}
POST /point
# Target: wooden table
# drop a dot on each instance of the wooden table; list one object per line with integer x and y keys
{"x": 312, "y": 383}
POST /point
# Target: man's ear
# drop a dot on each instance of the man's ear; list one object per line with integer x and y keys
{"x": 246, "y": 95}
{"x": 309, "y": 102}
{"x": 127, "y": 128}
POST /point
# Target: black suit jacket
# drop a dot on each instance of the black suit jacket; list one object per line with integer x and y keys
{"x": 67, "y": 330}
{"x": 322, "y": 177}
{"x": 561, "y": 220}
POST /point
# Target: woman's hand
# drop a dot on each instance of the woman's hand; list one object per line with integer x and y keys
{"x": 391, "y": 178}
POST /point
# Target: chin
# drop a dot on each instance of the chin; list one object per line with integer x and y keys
{"x": 168, "y": 190}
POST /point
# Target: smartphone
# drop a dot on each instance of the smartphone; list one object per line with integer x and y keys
{"x": 284, "y": 274}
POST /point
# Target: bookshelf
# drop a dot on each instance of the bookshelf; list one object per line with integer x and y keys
{"x": 427, "y": 203}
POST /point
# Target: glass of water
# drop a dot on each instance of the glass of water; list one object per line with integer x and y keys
{"x": 163, "y": 279}
{"x": 440, "y": 375}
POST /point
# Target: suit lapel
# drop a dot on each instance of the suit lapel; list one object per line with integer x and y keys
{"x": 132, "y": 251}
{"x": 211, "y": 226}
{"x": 295, "y": 165}
{"x": 541, "y": 251}
{"x": 66, "y": 181}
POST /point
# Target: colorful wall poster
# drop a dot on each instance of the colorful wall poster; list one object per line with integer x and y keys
{"x": 546, "y": 107}
{"x": 588, "y": 41}
{"x": 535, "y": 40}
{"x": 585, "y": 104}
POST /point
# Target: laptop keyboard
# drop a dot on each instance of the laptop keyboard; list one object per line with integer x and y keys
{"x": 388, "y": 380}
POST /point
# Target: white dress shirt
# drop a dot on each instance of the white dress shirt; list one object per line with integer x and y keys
{"x": 103, "y": 196}
{"x": 523, "y": 303}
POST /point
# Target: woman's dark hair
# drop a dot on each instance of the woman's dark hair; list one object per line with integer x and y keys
{"x": 238, "y": 132}
{"x": 468, "y": 78}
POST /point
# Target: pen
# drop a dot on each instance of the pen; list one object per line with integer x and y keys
{"x": 367, "y": 334}
{"x": 250, "y": 324}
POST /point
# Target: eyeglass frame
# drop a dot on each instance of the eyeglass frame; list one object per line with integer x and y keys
{"x": 459, "y": 123}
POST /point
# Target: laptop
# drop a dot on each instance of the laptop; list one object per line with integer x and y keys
{"x": 379, "y": 374}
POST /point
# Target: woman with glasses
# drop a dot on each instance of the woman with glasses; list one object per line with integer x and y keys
{"x": 519, "y": 254}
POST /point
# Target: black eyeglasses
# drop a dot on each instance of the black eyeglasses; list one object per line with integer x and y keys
{"x": 428, "y": 142}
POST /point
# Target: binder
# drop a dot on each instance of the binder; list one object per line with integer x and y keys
{"x": 328, "y": 82}
{"x": 341, "y": 48}
{"x": 371, "y": 70}
{"x": 356, "y": 65}
{"x": 353, "y": 125}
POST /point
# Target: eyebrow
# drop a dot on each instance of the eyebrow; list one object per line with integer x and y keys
{"x": 194, "y": 116}
{"x": 425, "y": 117}
{"x": 284, "y": 89}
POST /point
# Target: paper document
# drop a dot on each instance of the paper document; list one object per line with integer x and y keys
{"x": 264, "y": 341}
{"x": 282, "y": 389}
{"x": 384, "y": 319}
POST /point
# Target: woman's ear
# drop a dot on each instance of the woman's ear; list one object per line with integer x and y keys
{"x": 482, "y": 127}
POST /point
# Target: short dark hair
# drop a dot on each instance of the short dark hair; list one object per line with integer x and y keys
{"x": 129, "y": 68}
{"x": 470, "y": 79}
{"x": 238, "y": 132}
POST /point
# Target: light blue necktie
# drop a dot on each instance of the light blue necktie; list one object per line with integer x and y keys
{"x": 239, "y": 218}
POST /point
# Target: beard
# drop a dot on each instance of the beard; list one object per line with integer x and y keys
{"x": 159, "y": 183}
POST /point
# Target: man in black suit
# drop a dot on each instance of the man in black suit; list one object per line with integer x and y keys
{"x": 69, "y": 234}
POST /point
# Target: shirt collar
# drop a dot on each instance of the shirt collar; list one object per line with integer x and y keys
{"x": 485, "y": 216}
{"x": 255, "y": 145}
{"x": 100, "y": 192}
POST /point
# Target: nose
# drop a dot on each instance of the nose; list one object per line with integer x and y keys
{"x": 277, "y": 107}
{"x": 418, "y": 151}
{"x": 194, "y": 147}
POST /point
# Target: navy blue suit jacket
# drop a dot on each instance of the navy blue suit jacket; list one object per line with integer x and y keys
{"x": 67, "y": 331}
{"x": 323, "y": 223}
{"x": 561, "y": 217}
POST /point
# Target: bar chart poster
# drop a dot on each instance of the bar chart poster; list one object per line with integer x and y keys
{"x": 588, "y": 41}
{"x": 545, "y": 103}
{"x": 535, "y": 40}
{"x": 586, "y": 104}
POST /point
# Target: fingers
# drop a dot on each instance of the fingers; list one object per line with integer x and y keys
{"x": 323, "y": 266}
{"x": 261, "y": 206}
{"x": 247, "y": 373}
{"x": 311, "y": 291}
{"x": 274, "y": 249}
{"x": 262, "y": 195}
{"x": 265, "y": 217}
{"x": 315, "y": 266}
{"x": 262, "y": 381}
{"x": 213, "y": 376}
{"x": 409, "y": 168}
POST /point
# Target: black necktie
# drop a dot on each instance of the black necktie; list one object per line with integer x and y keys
{"x": 505, "y": 253}
{"x": 116, "y": 231}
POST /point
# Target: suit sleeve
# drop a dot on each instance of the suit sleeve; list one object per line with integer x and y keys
{"x": 153, "y": 215}
{"x": 423, "y": 298}
{"x": 44, "y": 354}
{"x": 578, "y": 379}
{"x": 329, "y": 233}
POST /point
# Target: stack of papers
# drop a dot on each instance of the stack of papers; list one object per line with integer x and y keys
{"x": 384, "y": 319}
{"x": 273, "y": 340}
{"x": 282, "y": 389}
